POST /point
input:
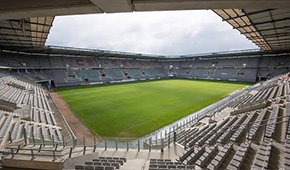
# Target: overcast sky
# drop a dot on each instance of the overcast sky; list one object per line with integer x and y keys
{"x": 173, "y": 33}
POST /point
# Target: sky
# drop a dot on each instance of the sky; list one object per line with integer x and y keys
{"x": 160, "y": 33}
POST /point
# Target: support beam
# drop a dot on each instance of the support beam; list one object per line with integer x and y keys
{"x": 268, "y": 29}
{"x": 111, "y": 6}
{"x": 264, "y": 22}
{"x": 266, "y": 36}
{"x": 18, "y": 29}
{"x": 246, "y": 15}
{"x": 158, "y": 5}
{"x": 35, "y": 8}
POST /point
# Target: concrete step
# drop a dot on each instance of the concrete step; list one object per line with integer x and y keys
{"x": 134, "y": 164}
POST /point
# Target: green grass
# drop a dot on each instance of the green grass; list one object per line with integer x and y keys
{"x": 136, "y": 109}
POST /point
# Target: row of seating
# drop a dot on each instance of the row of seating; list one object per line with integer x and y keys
{"x": 220, "y": 157}
{"x": 182, "y": 135}
{"x": 5, "y": 123}
{"x": 102, "y": 163}
{"x": 267, "y": 91}
{"x": 262, "y": 157}
{"x": 212, "y": 150}
{"x": 271, "y": 125}
{"x": 166, "y": 164}
{"x": 11, "y": 123}
{"x": 253, "y": 131}
{"x": 251, "y": 106}
{"x": 170, "y": 166}
{"x": 221, "y": 130}
{"x": 25, "y": 85}
{"x": 236, "y": 136}
{"x": 28, "y": 95}
{"x": 191, "y": 138}
{"x": 11, "y": 94}
{"x": 42, "y": 116}
{"x": 287, "y": 153}
{"x": 43, "y": 131}
{"x": 202, "y": 133}
{"x": 239, "y": 157}
{"x": 193, "y": 157}
{"x": 77, "y": 77}
{"x": 211, "y": 133}
{"x": 39, "y": 102}
{"x": 103, "y": 159}
{"x": 135, "y": 73}
{"x": 226, "y": 135}
{"x": 39, "y": 122}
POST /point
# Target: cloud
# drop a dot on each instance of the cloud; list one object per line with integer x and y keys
{"x": 165, "y": 33}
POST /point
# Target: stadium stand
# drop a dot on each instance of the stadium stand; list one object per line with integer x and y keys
{"x": 250, "y": 131}
{"x": 236, "y": 134}
{"x": 68, "y": 71}
{"x": 25, "y": 109}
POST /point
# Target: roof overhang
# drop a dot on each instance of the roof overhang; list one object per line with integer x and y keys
{"x": 269, "y": 29}
{"x": 17, "y": 9}
{"x": 83, "y": 52}
{"x": 25, "y": 33}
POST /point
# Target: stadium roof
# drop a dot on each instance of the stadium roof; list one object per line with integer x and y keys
{"x": 17, "y": 9}
{"x": 85, "y": 52}
{"x": 25, "y": 33}
{"x": 269, "y": 29}
{"x": 80, "y": 52}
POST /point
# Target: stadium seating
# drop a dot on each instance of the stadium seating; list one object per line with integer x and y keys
{"x": 239, "y": 157}
{"x": 21, "y": 97}
{"x": 66, "y": 71}
{"x": 254, "y": 122}
{"x": 102, "y": 163}
{"x": 262, "y": 158}
{"x": 93, "y": 75}
{"x": 160, "y": 164}
{"x": 114, "y": 74}
{"x": 134, "y": 73}
{"x": 287, "y": 154}
{"x": 253, "y": 126}
{"x": 220, "y": 157}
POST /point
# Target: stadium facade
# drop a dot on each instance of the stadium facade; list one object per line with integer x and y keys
{"x": 60, "y": 66}
{"x": 250, "y": 130}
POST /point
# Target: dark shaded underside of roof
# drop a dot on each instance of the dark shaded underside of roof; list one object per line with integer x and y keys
{"x": 25, "y": 33}
{"x": 269, "y": 29}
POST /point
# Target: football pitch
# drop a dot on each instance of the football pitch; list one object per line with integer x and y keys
{"x": 136, "y": 109}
